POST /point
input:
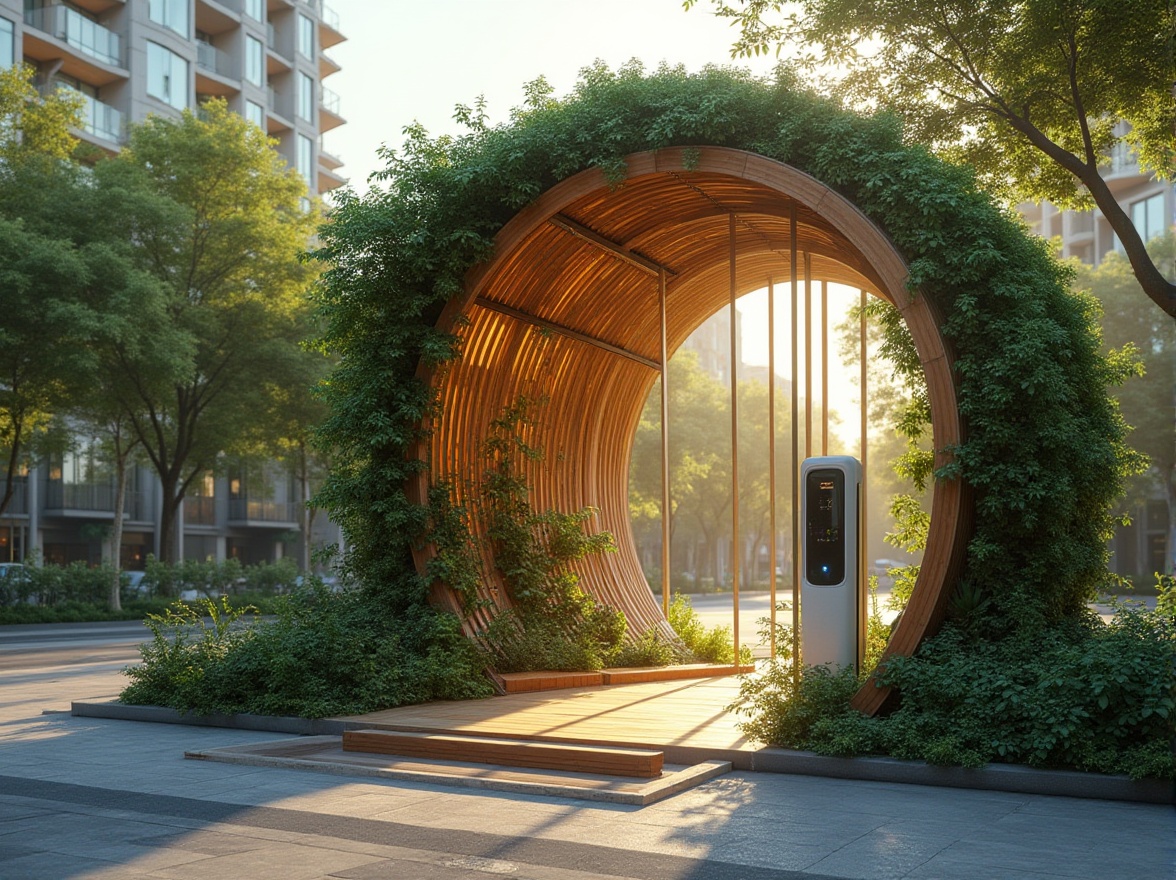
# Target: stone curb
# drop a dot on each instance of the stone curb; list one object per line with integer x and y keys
{"x": 992, "y": 777}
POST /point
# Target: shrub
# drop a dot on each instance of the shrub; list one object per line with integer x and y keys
{"x": 649, "y": 649}
{"x": 1090, "y": 696}
{"x": 325, "y": 654}
{"x": 715, "y": 645}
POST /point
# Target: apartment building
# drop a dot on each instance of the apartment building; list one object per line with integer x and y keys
{"x": 1139, "y": 548}
{"x": 132, "y": 58}
{"x": 129, "y": 59}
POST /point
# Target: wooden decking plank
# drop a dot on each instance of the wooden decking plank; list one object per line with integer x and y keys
{"x": 645, "y": 764}
{"x": 675, "y": 713}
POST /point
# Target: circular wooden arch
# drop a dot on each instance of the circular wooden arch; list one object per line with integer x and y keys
{"x": 580, "y": 266}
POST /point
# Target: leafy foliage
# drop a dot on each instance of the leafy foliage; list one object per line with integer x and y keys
{"x": 325, "y": 654}
{"x": 714, "y": 645}
{"x": 226, "y": 251}
{"x": 1087, "y": 695}
{"x": 550, "y": 622}
{"x": 1035, "y": 95}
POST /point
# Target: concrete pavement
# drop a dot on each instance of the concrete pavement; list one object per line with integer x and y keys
{"x": 84, "y": 797}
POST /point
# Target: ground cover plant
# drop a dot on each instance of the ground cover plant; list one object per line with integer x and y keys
{"x": 1044, "y": 455}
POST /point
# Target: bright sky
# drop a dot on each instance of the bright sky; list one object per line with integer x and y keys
{"x": 407, "y": 60}
{"x": 414, "y": 60}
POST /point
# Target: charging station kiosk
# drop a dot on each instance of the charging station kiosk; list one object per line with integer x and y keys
{"x": 831, "y": 600}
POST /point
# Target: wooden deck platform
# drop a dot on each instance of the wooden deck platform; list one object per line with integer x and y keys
{"x": 687, "y": 720}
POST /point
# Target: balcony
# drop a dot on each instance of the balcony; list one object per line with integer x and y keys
{"x": 279, "y": 112}
{"x": 275, "y": 513}
{"x": 98, "y": 6}
{"x": 102, "y": 121}
{"x": 215, "y": 71}
{"x": 90, "y": 498}
{"x": 329, "y": 115}
{"x": 327, "y": 66}
{"x": 279, "y": 57}
{"x": 99, "y": 120}
{"x": 217, "y": 16}
{"x": 199, "y": 511}
{"x": 329, "y": 32}
{"x": 18, "y": 504}
{"x": 83, "y": 35}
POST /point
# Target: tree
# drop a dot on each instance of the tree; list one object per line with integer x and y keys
{"x": 1036, "y": 94}
{"x": 289, "y": 434}
{"x": 236, "y": 288}
{"x": 45, "y": 277}
{"x": 1148, "y": 402}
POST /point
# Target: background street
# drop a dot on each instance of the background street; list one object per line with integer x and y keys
{"x": 95, "y": 798}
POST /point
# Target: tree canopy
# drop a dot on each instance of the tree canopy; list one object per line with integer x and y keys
{"x": 228, "y": 255}
{"x": 1038, "y": 95}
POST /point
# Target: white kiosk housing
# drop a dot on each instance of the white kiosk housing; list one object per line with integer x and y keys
{"x": 831, "y": 599}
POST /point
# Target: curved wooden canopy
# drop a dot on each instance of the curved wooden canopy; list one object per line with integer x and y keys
{"x": 569, "y": 308}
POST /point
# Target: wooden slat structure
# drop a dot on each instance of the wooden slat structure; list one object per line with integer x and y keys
{"x": 568, "y": 310}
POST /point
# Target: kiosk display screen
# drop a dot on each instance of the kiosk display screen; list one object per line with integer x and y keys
{"x": 825, "y": 527}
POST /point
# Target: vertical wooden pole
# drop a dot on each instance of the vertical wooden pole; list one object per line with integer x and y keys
{"x": 735, "y": 545}
{"x": 808, "y": 355}
{"x": 795, "y": 465}
{"x": 772, "y": 465}
{"x": 666, "y": 510}
{"x": 824, "y": 368}
{"x": 863, "y": 562}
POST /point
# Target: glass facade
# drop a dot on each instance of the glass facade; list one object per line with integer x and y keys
{"x": 255, "y": 113}
{"x": 305, "y": 35}
{"x": 7, "y": 52}
{"x": 172, "y": 14}
{"x": 254, "y": 61}
{"x": 1148, "y": 217}
{"x": 305, "y": 158}
{"x": 167, "y": 76}
{"x": 255, "y": 9}
{"x": 305, "y": 97}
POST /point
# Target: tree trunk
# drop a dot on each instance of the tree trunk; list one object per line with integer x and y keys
{"x": 307, "y": 513}
{"x": 116, "y": 533}
{"x": 167, "y": 523}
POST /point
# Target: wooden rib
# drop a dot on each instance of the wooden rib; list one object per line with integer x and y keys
{"x": 673, "y": 209}
{"x": 569, "y": 225}
{"x": 520, "y": 315}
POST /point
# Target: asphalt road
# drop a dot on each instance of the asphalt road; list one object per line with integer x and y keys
{"x": 27, "y": 646}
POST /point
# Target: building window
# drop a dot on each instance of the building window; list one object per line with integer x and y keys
{"x": 7, "y": 53}
{"x": 172, "y": 14}
{"x": 305, "y": 97}
{"x": 254, "y": 61}
{"x": 255, "y": 9}
{"x": 1147, "y": 215}
{"x": 167, "y": 76}
{"x": 255, "y": 113}
{"x": 306, "y": 35}
{"x": 305, "y": 158}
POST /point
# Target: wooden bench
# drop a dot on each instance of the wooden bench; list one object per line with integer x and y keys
{"x": 608, "y": 760}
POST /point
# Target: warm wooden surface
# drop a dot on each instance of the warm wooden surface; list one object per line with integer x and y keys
{"x": 524, "y": 682}
{"x": 674, "y": 211}
{"x": 636, "y": 674}
{"x": 648, "y": 715}
{"x": 642, "y": 763}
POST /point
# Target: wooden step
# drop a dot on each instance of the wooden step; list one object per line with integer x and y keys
{"x": 635, "y": 674}
{"x": 609, "y": 760}
{"x": 524, "y": 682}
